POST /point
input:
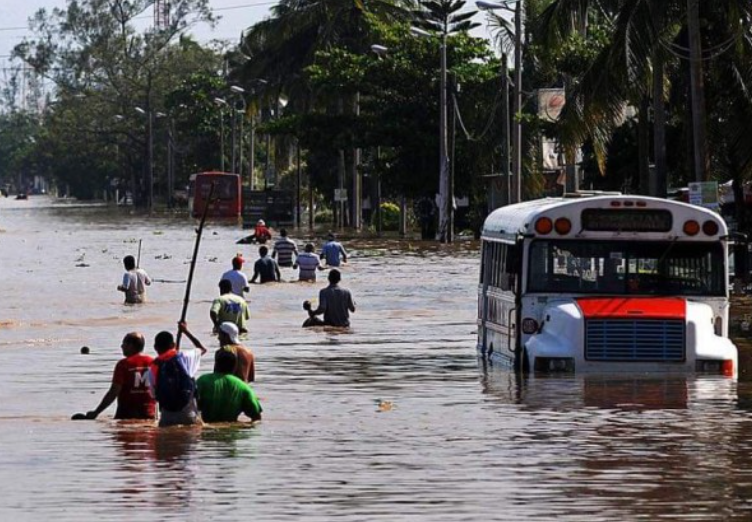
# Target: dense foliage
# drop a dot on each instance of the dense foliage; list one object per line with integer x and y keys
{"x": 310, "y": 79}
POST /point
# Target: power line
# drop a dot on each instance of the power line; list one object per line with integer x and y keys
{"x": 228, "y": 8}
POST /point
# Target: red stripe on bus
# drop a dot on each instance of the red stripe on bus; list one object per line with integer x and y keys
{"x": 632, "y": 307}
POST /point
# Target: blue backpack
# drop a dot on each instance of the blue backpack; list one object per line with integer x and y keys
{"x": 175, "y": 388}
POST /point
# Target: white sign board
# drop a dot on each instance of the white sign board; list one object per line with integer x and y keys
{"x": 340, "y": 194}
{"x": 704, "y": 194}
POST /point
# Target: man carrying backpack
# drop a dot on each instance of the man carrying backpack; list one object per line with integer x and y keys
{"x": 172, "y": 377}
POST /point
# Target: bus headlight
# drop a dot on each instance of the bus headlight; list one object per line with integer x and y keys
{"x": 554, "y": 364}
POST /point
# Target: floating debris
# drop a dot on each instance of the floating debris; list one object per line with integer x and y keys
{"x": 384, "y": 405}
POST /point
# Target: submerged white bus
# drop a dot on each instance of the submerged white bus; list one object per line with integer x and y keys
{"x": 605, "y": 283}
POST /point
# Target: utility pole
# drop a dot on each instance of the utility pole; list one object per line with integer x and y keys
{"x": 444, "y": 196}
{"x": 252, "y": 152}
{"x": 298, "y": 182}
{"x": 506, "y": 187}
{"x": 698, "y": 92}
{"x": 517, "y": 134}
{"x": 357, "y": 180}
{"x": 234, "y": 116}
{"x": 150, "y": 146}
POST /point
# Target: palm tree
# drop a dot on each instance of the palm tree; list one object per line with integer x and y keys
{"x": 443, "y": 17}
{"x": 647, "y": 35}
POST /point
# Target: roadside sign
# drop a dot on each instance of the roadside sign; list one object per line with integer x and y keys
{"x": 704, "y": 194}
{"x": 340, "y": 195}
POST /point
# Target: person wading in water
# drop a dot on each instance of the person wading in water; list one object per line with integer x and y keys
{"x": 135, "y": 281}
{"x": 335, "y": 303}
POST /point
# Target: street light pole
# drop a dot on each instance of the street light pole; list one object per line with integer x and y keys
{"x": 240, "y": 92}
{"x": 517, "y": 129}
{"x": 514, "y": 186}
{"x": 149, "y": 154}
{"x": 234, "y": 120}
{"x": 445, "y": 198}
{"x": 444, "y": 193}
{"x": 221, "y": 103}
{"x": 252, "y": 152}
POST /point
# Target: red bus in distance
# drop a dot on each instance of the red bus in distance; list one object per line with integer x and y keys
{"x": 226, "y": 199}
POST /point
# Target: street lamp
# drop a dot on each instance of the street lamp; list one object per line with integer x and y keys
{"x": 254, "y": 83}
{"x": 221, "y": 103}
{"x": 381, "y": 51}
{"x": 150, "y": 152}
{"x": 446, "y": 200}
{"x": 516, "y": 195}
{"x": 236, "y": 89}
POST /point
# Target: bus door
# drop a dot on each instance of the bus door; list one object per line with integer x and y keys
{"x": 513, "y": 284}
{"x": 499, "y": 306}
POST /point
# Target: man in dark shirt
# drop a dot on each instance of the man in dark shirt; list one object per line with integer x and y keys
{"x": 335, "y": 303}
{"x": 265, "y": 268}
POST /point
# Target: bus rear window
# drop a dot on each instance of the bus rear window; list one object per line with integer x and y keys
{"x": 623, "y": 268}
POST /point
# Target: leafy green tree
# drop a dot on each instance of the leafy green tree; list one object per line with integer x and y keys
{"x": 92, "y": 51}
{"x": 399, "y": 111}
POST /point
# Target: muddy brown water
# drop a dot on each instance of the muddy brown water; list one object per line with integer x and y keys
{"x": 394, "y": 420}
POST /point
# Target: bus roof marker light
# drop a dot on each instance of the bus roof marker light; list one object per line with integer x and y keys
{"x": 629, "y": 203}
{"x": 615, "y": 203}
{"x": 691, "y": 227}
{"x": 563, "y": 226}
{"x": 710, "y": 228}
{"x": 544, "y": 226}
{"x": 641, "y": 204}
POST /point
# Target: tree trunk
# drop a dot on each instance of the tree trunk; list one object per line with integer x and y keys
{"x": 643, "y": 146}
{"x": 698, "y": 91}
{"x": 659, "y": 181}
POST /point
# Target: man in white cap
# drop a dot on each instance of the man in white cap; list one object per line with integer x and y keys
{"x": 229, "y": 340}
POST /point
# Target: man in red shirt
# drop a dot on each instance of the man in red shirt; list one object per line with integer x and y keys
{"x": 130, "y": 383}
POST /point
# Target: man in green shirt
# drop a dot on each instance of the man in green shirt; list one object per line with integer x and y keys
{"x": 222, "y": 397}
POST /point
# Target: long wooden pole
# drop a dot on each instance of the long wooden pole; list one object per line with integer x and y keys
{"x": 200, "y": 230}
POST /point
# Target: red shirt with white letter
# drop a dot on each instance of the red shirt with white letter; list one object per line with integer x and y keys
{"x": 134, "y": 400}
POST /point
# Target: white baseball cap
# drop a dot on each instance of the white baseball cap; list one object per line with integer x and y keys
{"x": 231, "y": 330}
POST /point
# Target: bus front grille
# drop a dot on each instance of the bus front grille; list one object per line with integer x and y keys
{"x": 635, "y": 340}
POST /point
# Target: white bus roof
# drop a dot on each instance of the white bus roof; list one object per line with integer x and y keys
{"x": 511, "y": 221}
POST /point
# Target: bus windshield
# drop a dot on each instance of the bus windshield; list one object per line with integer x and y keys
{"x": 626, "y": 268}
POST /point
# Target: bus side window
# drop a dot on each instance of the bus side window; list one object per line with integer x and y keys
{"x": 495, "y": 266}
{"x": 483, "y": 263}
{"x": 509, "y": 275}
{"x": 487, "y": 263}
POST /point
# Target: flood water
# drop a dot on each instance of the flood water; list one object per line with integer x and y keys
{"x": 393, "y": 420}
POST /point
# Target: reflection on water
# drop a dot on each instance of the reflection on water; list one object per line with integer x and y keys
{"x": 393, "y": 420}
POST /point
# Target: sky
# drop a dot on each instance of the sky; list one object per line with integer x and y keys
{"x": 235, "y": 16}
